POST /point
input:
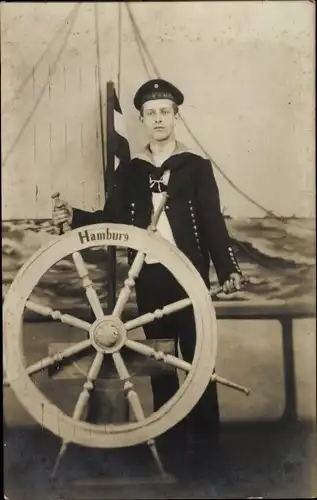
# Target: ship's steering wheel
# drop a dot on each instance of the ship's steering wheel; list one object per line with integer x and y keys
{"x": 108, "y": 334}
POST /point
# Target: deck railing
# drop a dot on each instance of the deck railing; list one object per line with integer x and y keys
{"x": 284, "y": 311}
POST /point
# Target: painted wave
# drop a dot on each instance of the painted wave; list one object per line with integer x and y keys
{"x": 278, "y": 257}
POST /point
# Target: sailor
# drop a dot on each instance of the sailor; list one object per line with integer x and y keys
{"x": 192, "y": 220}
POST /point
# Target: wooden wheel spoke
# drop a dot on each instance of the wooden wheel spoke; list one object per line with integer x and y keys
{"x": 144, "y": 319}
{"x": 135, "y": 403}
{"x": 149, "y": 351}
{"x": 175, "y": 362}
{"x": 88, "y": 386}
{"x": 136, "y": 267}
{"x": 87, "y": 284}
{"x": 128, "y": 386}
{"x": 158, "y": 314}
{"x": 57, "y": 315}
{"x": 129, "y": 284}
{"x": 82, "y": 401}
{"x": 58, "y": 357}
{"x": 156, "y": 215}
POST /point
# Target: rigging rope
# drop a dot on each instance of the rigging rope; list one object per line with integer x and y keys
{"x": 40, "y": 59}
{"x": 141, "y": 43}
{"x": 28, "y": 119}
{"x": 138, "y": 40}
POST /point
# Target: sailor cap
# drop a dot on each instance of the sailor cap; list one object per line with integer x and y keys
{"x": 157, "y": 89}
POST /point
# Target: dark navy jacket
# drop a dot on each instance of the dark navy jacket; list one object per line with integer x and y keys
{"x": 193, "y": 208}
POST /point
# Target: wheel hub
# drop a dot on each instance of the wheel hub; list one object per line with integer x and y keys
{"x": 108, "y": 334}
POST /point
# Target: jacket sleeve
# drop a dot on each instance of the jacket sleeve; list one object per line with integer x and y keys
{"x": 114, "y": 209}
{"x": 212, "y": 223}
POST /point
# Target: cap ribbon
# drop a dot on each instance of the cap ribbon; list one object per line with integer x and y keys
{"x": 158, "y": 95}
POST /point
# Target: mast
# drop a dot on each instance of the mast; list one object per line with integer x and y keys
{"x": 108, "y": 185}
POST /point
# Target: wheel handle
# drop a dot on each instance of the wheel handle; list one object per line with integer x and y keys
{"x": 59, "y": 204}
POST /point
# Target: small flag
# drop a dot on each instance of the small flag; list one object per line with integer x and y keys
{"x": 118, "y": 151}
{"x": 120, "y": 144}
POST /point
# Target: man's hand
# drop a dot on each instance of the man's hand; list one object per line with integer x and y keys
{"x": 62, "y": 213}
{"x": 234, "y": 283}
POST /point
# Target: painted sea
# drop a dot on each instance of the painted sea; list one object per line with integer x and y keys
{"x": 278, "y": 257}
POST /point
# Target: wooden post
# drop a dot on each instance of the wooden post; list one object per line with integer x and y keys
{"x": 108, "y": 184}
{"x": 107, "y": 160}
{"x": 290, "y": 411}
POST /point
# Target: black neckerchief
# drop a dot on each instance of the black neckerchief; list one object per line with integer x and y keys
{"x": 157, "y": 173}
{"x": 174, "y": 162}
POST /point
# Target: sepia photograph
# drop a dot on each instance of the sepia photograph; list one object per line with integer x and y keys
{"x": 158, "y": 249}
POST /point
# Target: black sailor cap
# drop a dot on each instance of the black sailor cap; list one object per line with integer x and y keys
{"x": 157, "y": 89}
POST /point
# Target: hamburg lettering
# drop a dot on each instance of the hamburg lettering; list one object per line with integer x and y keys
{"x": 87, "y": 236}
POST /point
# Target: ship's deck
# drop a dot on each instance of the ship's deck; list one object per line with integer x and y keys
{"x": 262, "y": 463}
{"x": 264, "y": 454}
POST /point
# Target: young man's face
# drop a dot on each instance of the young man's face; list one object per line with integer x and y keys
{"x": 159, "y": 119}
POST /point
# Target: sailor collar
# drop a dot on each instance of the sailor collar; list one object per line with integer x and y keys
{"x": 174, "y": 163}
{"x": 146, "y": 155}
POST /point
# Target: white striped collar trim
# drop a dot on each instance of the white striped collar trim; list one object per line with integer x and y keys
{"x": 145, "y": 153}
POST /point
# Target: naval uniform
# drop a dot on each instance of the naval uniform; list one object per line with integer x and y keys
{"x": 196, "y": 225}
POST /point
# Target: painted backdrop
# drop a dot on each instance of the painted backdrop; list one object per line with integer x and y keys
{"x": 247, "y": 74}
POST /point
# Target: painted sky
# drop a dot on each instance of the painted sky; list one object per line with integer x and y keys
{"x": 246, "y": 69}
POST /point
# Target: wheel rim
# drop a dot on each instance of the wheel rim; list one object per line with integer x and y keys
{"x": 110, "y": 435}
